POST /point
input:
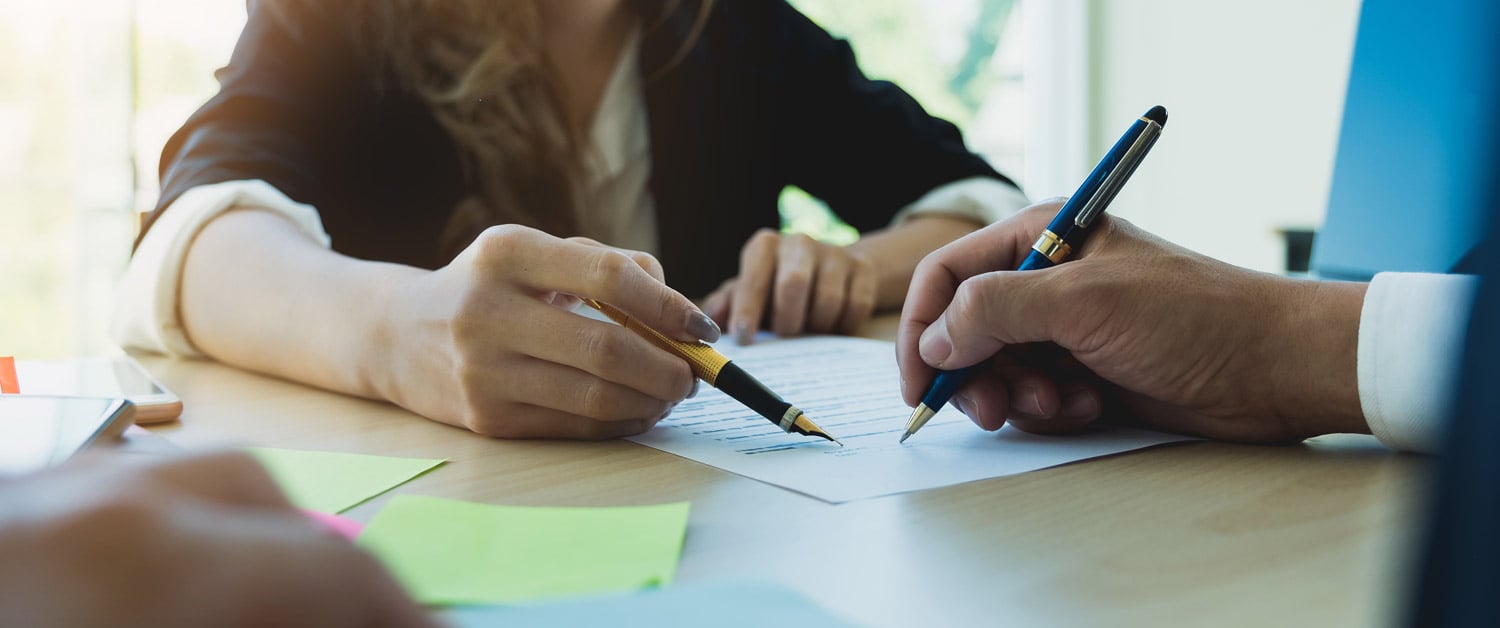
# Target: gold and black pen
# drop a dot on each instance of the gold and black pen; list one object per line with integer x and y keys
{"x": 716, "y": 369}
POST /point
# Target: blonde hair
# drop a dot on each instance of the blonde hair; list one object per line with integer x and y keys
{"x": 480, "y": 67}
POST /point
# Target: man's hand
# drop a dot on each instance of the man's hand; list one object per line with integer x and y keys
{"x": 204, "y": 541}
{"x": 1133, "y": 328}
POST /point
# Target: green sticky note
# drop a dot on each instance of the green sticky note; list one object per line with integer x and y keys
{"x": 454, "y": 552}
{"x": 333, "y": 482}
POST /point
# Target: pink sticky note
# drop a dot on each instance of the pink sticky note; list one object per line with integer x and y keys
{"x": 342, "y": 526}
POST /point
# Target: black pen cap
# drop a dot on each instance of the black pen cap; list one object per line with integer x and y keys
{"x": 1157, "y": 114}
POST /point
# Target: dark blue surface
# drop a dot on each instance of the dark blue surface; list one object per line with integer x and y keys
{"x": 1460, "y": 579}
{"x": 1415, "y": 144}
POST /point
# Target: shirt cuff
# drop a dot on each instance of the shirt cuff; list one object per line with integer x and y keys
{"x": 146, "y": 298}
{"x": 982, "y": 199}
{"x": 1411, "y": 343}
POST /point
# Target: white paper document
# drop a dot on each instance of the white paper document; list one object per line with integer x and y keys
{"x": 849, "y": 386}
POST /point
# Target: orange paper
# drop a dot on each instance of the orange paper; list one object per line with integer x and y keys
{"x": 8, "y": 383}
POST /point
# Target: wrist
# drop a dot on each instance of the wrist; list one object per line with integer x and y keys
{"x": 378, "y": 363}
{"x": 1316, "y": 374}
{"x": 895, "y": 251}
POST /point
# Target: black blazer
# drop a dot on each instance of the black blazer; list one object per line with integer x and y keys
{"x": 764, "y": 99}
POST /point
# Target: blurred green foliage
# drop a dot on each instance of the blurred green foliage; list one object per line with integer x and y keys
{"x": 944, "y": 65}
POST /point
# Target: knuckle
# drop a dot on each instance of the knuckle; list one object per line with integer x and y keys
{"x": 969, "y": 300}
{"x": 793, "y": 284}
{"x": 594, "y": 400}
{"x": 605, "y": 346}
{"x": 610, "y": 266}
{"x": 862, "y": 265}
{"x": 799, "y": 241}
{"x": 496, "y": 244}
{"x": 765, "y": 236}
{"x": 600, "y": 345}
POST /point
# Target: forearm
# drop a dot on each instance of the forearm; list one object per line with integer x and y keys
{"x": 896, "y": 251}
{"x": 259, "y": 294}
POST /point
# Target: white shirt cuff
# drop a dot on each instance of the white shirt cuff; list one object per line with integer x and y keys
{"x": 1411, "y": 344}
{"x": 146, "y": 298}
{"x": 983, "y": 199}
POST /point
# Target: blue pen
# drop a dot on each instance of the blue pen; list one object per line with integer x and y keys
{"x": 1064, "y": 235}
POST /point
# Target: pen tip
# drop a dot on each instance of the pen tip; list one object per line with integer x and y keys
{"x": 904, "y": 437}
{"x": 1157, "y": 114}
{"x": 806, "y": 426}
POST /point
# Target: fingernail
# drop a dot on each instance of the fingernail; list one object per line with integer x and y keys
{"x": 1028, "y": 401}
{"x": 743, "y": 334}
{"x": 701, "y": 326}
{"x": 694, "y": 392}
{"x": 935, "y": 347}
{"x": 1079, "y": 406}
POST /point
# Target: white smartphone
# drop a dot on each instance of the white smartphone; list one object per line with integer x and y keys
{"x": 38, "y": 432}
{"x": 117, "y": 377}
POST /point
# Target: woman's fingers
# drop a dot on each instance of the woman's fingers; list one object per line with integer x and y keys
{"x": 830, "y": 294}
{"x": 753, "y": 289}
{"x": 798, "y": 285}
{"x": 546, "y": 264}
{"x": 796, "y": 265}
{"x": 602, "y": 350}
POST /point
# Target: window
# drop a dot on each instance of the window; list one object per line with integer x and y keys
{"x": 961, "y": 59}
{"x": 89, "y": 92}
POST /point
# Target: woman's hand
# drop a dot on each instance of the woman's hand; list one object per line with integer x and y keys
{"x": 490, "y": 342}
{"x": 202, "y": 541}
{"x": 1136, "y": 325}
{"x": 798, "y": 285}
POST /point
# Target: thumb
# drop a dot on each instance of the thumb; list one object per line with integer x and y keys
{"x": 990, "y": 311}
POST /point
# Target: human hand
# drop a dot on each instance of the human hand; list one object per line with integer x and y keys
{"x": 489, "y": 342}
{"x": 202, "y": 541}
{"x": 798, "y": 284}
{"x": 1134, "y": 328}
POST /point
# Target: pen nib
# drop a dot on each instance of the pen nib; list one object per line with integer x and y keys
{"x": 804, "y": 425}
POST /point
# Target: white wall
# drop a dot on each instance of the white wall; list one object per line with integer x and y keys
{"x": 1254, "y": 90}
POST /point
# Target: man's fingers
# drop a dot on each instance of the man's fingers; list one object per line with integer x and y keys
{"x": 990, "y": 311}
{"x": 1000, "y": 246}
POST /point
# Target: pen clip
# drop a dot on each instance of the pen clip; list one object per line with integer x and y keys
{"x": 1117, "y": 177}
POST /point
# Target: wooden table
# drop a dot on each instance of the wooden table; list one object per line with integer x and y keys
{"x": 1191, "y": 534}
